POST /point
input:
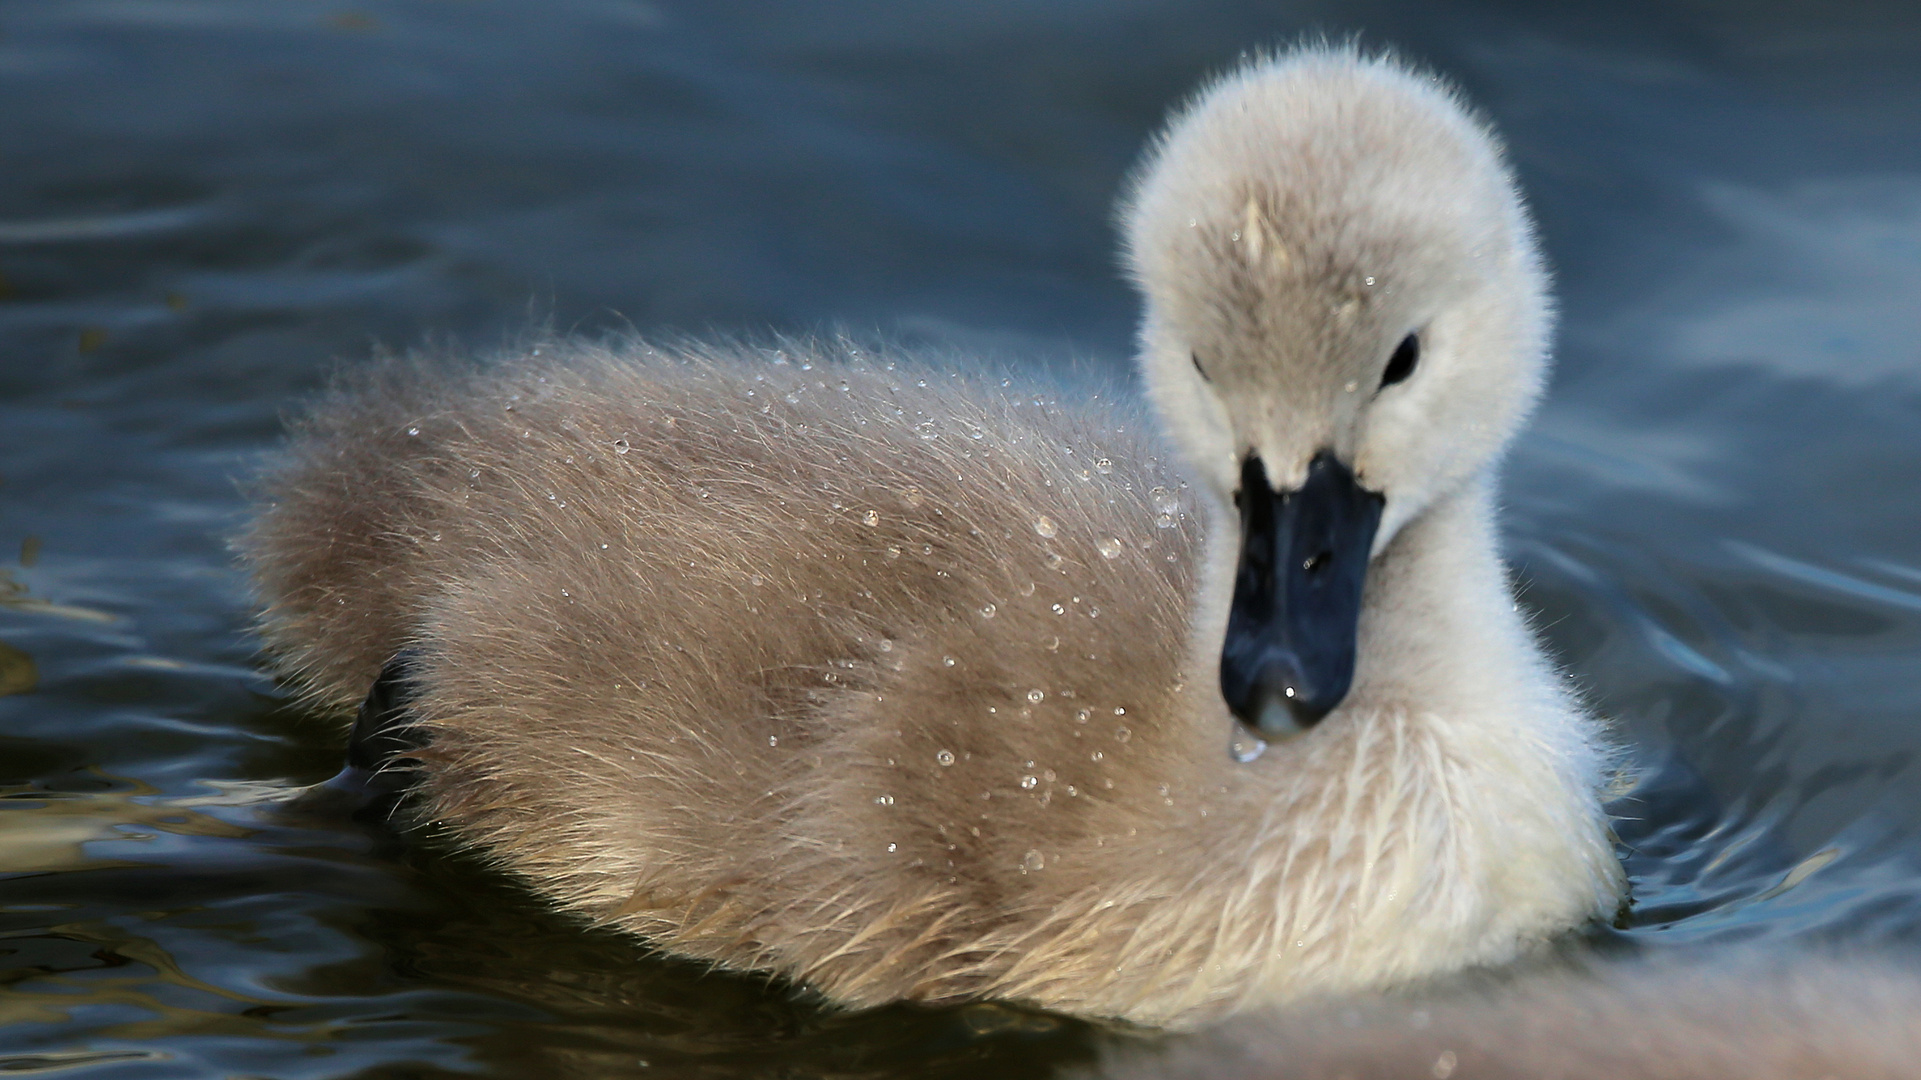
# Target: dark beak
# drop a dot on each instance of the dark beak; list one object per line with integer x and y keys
{"x": 1289, "y": 655}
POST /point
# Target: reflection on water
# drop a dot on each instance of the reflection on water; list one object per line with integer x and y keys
{"x": 236, "y": 927}
{"x": 1826, "y": 274}
{"x": 1713, "y": 519}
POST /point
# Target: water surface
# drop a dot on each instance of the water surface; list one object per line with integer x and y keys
{"x": 206, "y": 204}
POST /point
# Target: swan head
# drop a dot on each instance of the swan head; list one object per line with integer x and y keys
{"x": 1346, "y": 320}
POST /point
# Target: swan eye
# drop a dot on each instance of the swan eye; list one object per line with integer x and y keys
{"x": 1196, "y": 357}
{"x": 1401, "y": 364}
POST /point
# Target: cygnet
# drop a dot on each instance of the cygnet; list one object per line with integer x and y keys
{"x": 912, "y": 685}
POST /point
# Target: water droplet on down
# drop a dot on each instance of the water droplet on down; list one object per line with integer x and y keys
{"x": 1166, "y": 507}
{"x": 1245, "y": 745}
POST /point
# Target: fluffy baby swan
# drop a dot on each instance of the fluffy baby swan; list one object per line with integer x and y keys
{"x": 907, "y": 687}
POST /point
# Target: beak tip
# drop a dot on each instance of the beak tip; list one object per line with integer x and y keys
{"x": 1292, "y": 714}
{"x": 1279, "y": 715}
{"x": 1278, "y": 719}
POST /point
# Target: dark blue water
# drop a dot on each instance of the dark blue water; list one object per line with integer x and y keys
{"x": 207, "y": 204}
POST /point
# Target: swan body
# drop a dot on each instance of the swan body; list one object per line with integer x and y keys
{"x": 910, "y": 686}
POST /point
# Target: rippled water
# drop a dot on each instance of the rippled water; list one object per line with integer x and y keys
{"x": 205, "y": 202}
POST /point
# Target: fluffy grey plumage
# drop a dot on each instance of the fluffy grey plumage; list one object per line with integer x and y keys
{"x": 908, "y": 687}
{"x": 812, "y": 666}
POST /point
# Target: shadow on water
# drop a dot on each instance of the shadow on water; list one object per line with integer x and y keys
{"x": 209, "y": 204}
